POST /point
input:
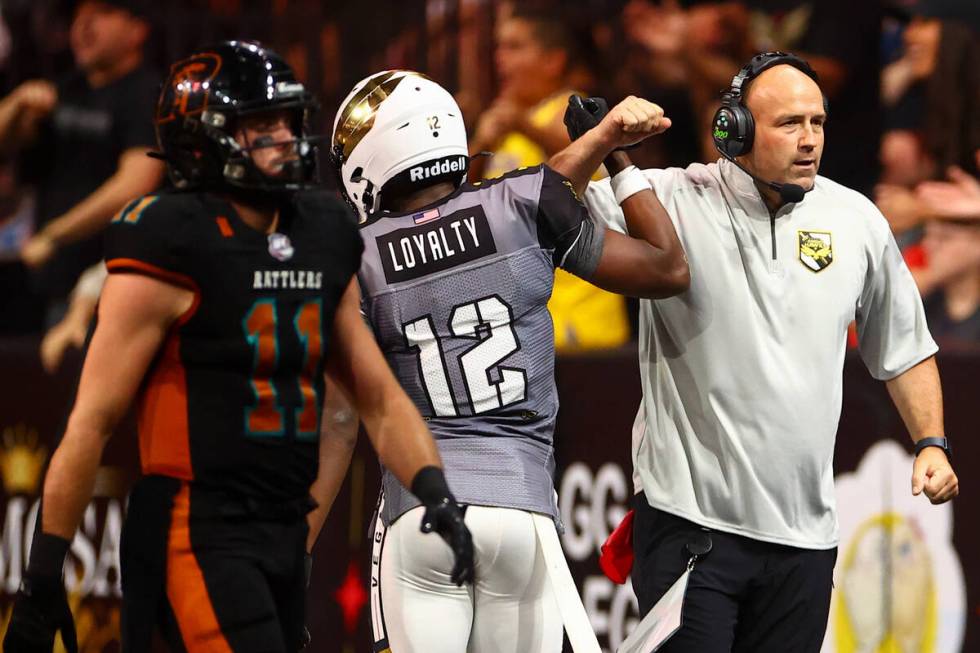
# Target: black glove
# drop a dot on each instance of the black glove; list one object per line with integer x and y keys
{"x": 40, "y": 610}
{"x": 582, "y": 114}
{"x": 444, "y": 516}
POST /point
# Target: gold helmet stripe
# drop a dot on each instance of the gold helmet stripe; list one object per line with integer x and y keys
{"x": 357, "y": 116}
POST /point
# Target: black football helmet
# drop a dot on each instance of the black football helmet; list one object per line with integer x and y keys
{"x": 200, "y": 103}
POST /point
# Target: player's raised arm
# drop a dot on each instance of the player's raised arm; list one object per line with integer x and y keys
{"x": 396, "y": 429}
{"x": 135, "y": 313}
{"x": 650, "y": 261}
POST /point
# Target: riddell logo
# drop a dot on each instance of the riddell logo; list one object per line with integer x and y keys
{"x": 447, "y": 165}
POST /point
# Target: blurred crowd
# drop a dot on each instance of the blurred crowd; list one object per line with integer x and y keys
{"x": 78, "y": 83}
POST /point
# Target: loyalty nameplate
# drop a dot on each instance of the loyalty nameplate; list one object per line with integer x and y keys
{"x": 436, "y": 245}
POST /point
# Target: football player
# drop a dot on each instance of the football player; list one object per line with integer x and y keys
{"x": 225, "y": 304}
{"x": 456, "y": 278}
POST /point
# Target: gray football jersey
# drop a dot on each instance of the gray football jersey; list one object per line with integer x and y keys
{"x": 457, "y": 296}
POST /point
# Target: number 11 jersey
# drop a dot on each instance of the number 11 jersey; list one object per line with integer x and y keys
{"x": 232, "y": 402}
{"x": 457, "y": 295}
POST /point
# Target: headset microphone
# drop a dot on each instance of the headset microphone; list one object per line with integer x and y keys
{"x": 787, "y": 192}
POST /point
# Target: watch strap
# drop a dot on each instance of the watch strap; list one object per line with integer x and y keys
{"x": 942, "y": 443}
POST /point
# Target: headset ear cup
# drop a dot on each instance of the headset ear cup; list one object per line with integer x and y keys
{"x": 733, "y": 130}
{"x": 721, "y": 126}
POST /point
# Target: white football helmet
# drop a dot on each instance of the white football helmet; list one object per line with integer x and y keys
{"x": 397, "y": 130}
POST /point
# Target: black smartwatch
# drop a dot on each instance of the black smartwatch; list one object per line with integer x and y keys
{"x": 942, "y": 443}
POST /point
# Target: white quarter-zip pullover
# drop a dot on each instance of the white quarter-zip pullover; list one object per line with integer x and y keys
{"x": 741, "y": 375}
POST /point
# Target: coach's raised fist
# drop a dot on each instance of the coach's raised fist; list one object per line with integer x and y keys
{"x": 631, "y": 121}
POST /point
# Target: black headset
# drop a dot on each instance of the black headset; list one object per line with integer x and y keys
{"x": 733, "y": 127}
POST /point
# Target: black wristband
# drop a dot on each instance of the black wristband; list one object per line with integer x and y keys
{"x": 941, "y": 443}
{"x": 48, "y": 554}
{"x": 429, "y": 485}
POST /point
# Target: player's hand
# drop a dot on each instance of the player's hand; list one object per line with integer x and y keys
{"x": 933, "y": 475}
{"x": 446, "y": 519}
{"x": 37, "y": 96}
{"x": 40, "y": 610}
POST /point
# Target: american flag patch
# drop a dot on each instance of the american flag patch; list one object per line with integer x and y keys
{"x": 426, "y": 216}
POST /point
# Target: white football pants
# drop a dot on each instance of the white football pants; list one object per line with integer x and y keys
{"x": 417, "y": 609}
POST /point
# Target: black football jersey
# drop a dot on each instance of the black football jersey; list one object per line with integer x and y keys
{"x": 232, "y": 401}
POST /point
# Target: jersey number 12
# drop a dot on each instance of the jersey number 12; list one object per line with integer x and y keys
{"x": 489, "y": 321}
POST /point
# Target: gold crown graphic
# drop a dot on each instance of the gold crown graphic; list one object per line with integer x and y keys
{"x": 21, "y": 460}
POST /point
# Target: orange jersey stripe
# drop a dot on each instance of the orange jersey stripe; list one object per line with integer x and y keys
{"x": 186, "y": 590}
{"x": 134, "y": 265}
{"x": 224, "y": 226}
{"x": 164, "y": 435}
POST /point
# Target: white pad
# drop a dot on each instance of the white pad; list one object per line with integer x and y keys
{"x": 577, "y": 625}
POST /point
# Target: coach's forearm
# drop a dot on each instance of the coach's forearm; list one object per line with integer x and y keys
{"x": 918, "y": 396}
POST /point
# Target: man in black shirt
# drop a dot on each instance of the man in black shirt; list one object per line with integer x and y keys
{"x": 83, "y": 141}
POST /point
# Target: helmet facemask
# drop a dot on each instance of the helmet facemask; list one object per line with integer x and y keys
{"x": 240, "y": 169}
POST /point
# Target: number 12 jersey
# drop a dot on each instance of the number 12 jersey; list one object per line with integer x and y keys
{"x": 457, "y": 295}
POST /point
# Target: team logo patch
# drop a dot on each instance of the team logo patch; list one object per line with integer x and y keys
{"x": 280, "y": 247}
{"x": 816, "y": 249}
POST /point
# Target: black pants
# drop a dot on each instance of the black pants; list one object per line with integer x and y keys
{"x": 744, "y": 596}
{"x": 205, "y": 574}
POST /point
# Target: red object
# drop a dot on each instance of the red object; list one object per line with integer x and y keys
{"x": 616, "y": 553}
{"x": 351, "y": 597}
{"x": 915, "y": 256}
